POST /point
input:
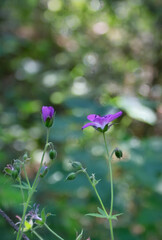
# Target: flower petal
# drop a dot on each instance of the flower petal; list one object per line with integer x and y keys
{"x": 89, "y": 124}
{"x": 47, "y": 112}
{"x": 111, "y": 117}
{"x": 91, "y": 117}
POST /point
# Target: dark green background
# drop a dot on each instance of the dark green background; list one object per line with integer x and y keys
{"x": 84, "y": 57}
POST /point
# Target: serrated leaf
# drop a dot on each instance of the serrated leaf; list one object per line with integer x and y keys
{"x": 43, "y": 215}
{"x": 117, "y": 215}
{"x": 101, "y": 212}
{"x": 96, "y": 215}
{"x": 18, "y": 186}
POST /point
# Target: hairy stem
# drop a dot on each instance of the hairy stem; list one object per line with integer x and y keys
{"x": 55, "y": 234}
{"x": 111, "y": 184}
{"x": 30, "y": 194}
{"x": 8, "y": 219}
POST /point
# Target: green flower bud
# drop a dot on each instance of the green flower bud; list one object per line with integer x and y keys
{"x": 77, "y": 166}
{"x": 118, "y": 153}
{"x": 14, "y": 174}
{"x": 8, "y": 170}
{"x": 52, "y": 154}
{"x": 43, "y": 172}
{"x": 71, "y": 176}
{"x": 25, "y": 157}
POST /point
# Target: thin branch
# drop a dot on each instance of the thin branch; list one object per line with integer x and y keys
{"x": 8, "y": 219}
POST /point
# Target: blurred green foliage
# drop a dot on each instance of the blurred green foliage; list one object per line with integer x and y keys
{"x": 84, "y": 57}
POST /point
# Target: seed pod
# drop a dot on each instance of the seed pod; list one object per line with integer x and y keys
{"x": 52, "y": 154}
{"x": 118, "y": 153}
{"x": 71, "y": 176}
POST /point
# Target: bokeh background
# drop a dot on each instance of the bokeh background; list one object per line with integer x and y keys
{"x": 83, "y": 57}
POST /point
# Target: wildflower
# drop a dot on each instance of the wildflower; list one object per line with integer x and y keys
{"x": 47, "y": 115}
{"x": 101, "y": 123}
{"x": 34, "y": 213}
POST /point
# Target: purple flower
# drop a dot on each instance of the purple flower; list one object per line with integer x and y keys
{"x": 101, "y": 123}
{"x": 47, "y": 115}
{"x": 34, "y": 213}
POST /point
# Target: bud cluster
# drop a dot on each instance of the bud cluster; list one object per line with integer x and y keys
{"x": 78, "y": 168}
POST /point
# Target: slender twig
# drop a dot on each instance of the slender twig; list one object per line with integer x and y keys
{"x": 12, "y": 224}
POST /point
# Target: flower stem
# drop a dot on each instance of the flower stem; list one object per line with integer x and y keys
{"x": 36, "y": 234}
{"x": 22, "y": 192}
{"x": 55, "y": 234}
{"x": 26, "y": 176}
{"x": 111, "y": 184}
{"x": 35, "y": 183}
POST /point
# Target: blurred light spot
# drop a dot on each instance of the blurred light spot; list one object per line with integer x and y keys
{"x": 35, "y": 132}
{"x": 57, "y": 98}
{"x": 100, "y": 28}
{"x": 79, "y": 3}
{"x": 37, "y": 155}
{"x": 96, "y": 5}
{"x": 61, "y": 59}
{"x": 7, "y": 118}
{"x": 31, "y": 145}
{"x": 54, "y": 5}
{"x": 67, "y": 163}
{"x": 90, "y": 59}
{"x": 50, "y": 79}
{"x": 82, "y": 192}
{"x": 56, "y": 177}
{"x": 68, "y": 43}
{"x": 134, "y": 142}
{"x": 144, "y": 90}
{"x": 77, "y": 112}
{"x": 19, "y": 146}
{"x": 97, "y": 150}
{"x": 156, "y": 91}
{"x": 72, "y": 22}
{"x": 30, "y": 66}
{"x": 80, "y": 86}
{"x": 137, "y": 229}
{"x": 16, "y": 131}
{"x": 136, "y": 109}
{"x": 158, "y": 187}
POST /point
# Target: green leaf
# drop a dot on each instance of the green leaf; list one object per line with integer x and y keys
{"x": 23, "y": 187}
{"x": 39, "y": 222}
{"x": 43, "y": 215}
{"x": 80, "y": 236}
{"x": 117, "y": 215}
{"x": 96, "y": 215}
{"x": 101, "y": 212}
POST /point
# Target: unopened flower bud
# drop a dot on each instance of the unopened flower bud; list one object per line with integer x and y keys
{"x": 47, "y": 115}
{"x": 8, "y": 169}
{"x": 44, "y": 171}
{"x": 17, "y": 167}
{"x": 52, "y": 154}
{"x": 118, "y": 153}
{"x": 25, "y": 157}
{"x": 77, "y": 166}
{"x": 14, "y": 174}
{"x": 71, "y": 176}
